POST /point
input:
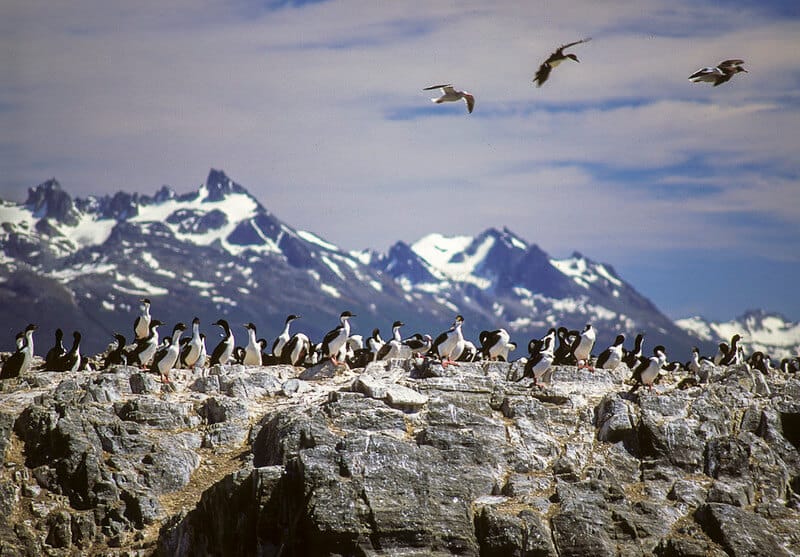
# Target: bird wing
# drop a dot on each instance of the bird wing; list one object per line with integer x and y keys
{"x": 706, "y": 74}
{"x": 719, "y": 80}
{"x": 332, "y": 334}
{"x": 542, "y": 74}
{"x": 728, "y": 64}
{"x": 443, "y": 87}
{"x": 384, "y": 350}
{"x": 603, "y": 358}
{"x": 470, "y": 100}
{"x": 218, "y": 351}
{"x": 563, "y": 46}
{"x": 413, "y": 343}
{"x": 439, "y": 340}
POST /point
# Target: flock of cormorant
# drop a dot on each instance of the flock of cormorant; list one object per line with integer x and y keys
{"x": 559, "y": 346}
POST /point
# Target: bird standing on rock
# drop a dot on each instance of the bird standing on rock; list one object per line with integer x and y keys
{"x": 117, "y": 356}
{"x": 224, "y": 350}
{"x": 450, "y": 344}
{"x": 252, "y": 352}
{"x": 20, "y": 361}
{"x": 190, "y": 353}
{"x": 165, "y": 359}
{"x": 648, "y": 370}
{"x": 71, "y": 361}
{"x": 495, "y": 345}
{"x": 611, "y": 357}
{"x": 145, "y": 347}
{"x": 336, "y": 339}
{"x": 58, "y": 350}
{"x": 540, "y": 360}
{"x": 283, "y": 338}
{"x": 582, "y": 347}
{"x": 141, "y": 326}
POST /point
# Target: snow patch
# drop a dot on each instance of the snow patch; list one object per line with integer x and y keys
{"x": 314, "y": 239}
{"x": 330, "y": 290}
{"x": 441, "y": 251}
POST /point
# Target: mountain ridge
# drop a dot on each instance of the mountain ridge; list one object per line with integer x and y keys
{"x": 218, "y": 251}
{"x": 769, "y": 332}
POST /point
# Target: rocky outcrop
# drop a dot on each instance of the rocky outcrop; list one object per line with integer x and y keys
{"x": 398, "y": 458}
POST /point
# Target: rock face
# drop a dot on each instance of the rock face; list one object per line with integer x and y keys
{"x": 400, "y": 458}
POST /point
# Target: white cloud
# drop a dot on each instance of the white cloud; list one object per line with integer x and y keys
{"x": 295, "y": 104}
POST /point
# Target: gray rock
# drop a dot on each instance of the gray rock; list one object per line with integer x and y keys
{"x": 323, "y": 370}
{"x": 738, "y": 531}
{"x": 486, "y": 466}
{"x": 404, "y": 398}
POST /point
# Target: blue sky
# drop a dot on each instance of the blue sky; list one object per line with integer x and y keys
{"x": 689, "y": 191}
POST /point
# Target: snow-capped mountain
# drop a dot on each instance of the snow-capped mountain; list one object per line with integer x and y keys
{"x": 218, "y": 252}
{"x": 514, "y": 283}
{"x": 770, "y": 333}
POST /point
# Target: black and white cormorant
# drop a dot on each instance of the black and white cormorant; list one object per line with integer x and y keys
{"x": 117, "y": 356}
{"x": 495, "y": 345}
{"x": 71, "y": 361}
{"x": 20, "y": 361}
{"x": 165, "y": 360}
{"x": 419, "y": 344}
{"x": 252, "y": 352}
{"x": 296, "y": 350}
{"x": 611, "y": 357}
{"x": 224, "y": 350}
{"x": 190, "y": 351}
{"x": 647, "y": 371}
{"x": 55, "y": 353}
{"x": 449, "y": 345}
{"x": 145, "y": 347}
{"x": 375, "y": 343}
{"x": 283, "y": 338}
{"x": 141, "y": 326}
{"x": 631, "y": 358}
{"x": 392, "y": 348}
{"x": 335, "y": 340}
{"x": 582, "y": 347}
{"x": 540, "y": 359}
{"x": 563, "y": 356}
{"x": 732, "y": 356}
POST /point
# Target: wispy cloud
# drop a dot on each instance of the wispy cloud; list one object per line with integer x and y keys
{"x": 318, "y": 108}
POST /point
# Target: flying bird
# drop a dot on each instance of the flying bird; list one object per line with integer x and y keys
{"x": 718, "y": 74}
{"x": 554, "y": 60}
{"x": 451, "y": 94}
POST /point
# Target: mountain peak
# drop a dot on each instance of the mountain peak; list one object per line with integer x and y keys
{"x": 218, "y": 185}
{"x": 48, "y": 200}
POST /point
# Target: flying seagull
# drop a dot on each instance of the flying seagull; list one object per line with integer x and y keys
{"x": 451, "y": 94}
{"x": 718, "y": 74}
{"x": 554, "y": 60}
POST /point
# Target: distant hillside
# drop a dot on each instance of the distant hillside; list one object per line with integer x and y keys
{"x": 771, "y": 333}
